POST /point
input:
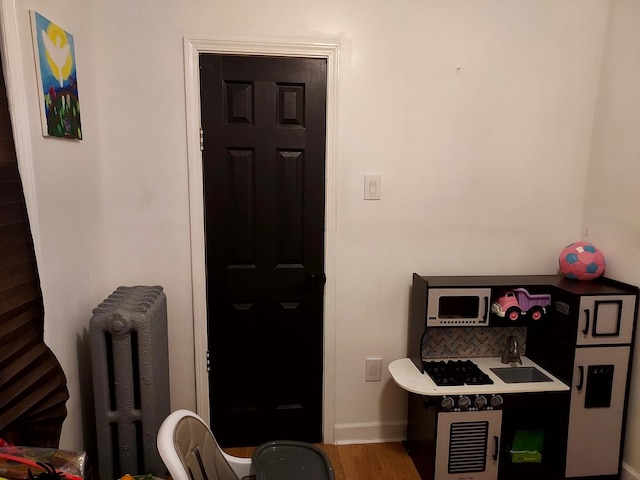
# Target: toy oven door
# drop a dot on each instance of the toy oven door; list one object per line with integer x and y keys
{"x": 467, "y": 445}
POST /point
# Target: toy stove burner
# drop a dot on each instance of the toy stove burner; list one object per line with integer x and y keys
{"x": 455, "y": 372}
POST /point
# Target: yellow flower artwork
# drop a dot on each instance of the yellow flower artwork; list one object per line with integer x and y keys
{"x": 56, "y": 71}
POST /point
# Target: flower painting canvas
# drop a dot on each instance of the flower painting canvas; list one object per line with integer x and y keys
{"x": 56, "y": 70}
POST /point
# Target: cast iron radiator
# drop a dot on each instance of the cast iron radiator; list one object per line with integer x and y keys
{"x": 129, "y": 346}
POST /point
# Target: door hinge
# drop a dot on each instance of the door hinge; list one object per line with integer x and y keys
{"x": 201, "y": 140}
{"x": 208, "y": 362}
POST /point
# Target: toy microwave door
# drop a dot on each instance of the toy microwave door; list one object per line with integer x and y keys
{"x": 451, "y": 307}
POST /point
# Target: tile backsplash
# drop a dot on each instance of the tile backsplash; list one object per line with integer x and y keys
{"x": 470, "y": 341}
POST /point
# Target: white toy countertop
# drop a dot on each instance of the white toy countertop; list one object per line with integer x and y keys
{"x": 408, "y": 377}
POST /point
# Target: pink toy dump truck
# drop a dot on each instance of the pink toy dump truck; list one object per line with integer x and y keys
{"x": 518, "y": 302}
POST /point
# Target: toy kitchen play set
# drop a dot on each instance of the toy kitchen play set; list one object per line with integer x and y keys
{"x": 517, "y": 377}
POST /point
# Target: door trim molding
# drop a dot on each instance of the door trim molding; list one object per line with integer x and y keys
{"x": 193, "y": 46}
{"x": 19, "y": 108}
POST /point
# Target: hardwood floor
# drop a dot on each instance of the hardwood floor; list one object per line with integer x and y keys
{"x": 370, "y": 461}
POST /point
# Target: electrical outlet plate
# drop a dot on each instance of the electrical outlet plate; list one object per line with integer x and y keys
{"x": 373, "y": 367}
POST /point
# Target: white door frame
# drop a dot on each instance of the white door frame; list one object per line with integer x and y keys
{"x": 19, "y": 108}
{"x": 193, "y": 46}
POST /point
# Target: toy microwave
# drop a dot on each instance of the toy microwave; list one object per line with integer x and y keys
{"x": 458, "y": 307}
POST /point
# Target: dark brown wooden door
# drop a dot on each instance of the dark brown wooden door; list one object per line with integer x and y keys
{"x": 263, "y": 121}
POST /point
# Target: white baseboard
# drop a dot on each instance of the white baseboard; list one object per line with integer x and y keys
{"x": 628, "y": 473}
{"x": 370, "y": 432}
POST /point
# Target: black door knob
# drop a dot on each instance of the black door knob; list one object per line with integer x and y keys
{"x": 317, "y": 278}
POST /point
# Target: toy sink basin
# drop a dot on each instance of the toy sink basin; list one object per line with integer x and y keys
{"x": 520, "y": 375}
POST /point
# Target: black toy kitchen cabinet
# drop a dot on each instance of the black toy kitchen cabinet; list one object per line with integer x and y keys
{"x": 585, "y": 340}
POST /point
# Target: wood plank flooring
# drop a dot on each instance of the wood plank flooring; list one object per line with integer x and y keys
{"x": 371, "y": 461}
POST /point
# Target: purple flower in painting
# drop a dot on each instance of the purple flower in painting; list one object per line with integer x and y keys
{"x": 67, "y": 124}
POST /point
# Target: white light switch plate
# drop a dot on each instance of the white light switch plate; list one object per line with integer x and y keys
{"x": 372, "y": 187}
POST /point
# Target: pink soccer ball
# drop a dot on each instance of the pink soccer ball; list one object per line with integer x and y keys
{"x": 581, "y": 261}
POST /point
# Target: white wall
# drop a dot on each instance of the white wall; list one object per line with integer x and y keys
{"x": 484, "y": 166}
{"x": 478, "y": 115}
{"x": 62, "y": 182}
{"x": 612, "y": 214}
